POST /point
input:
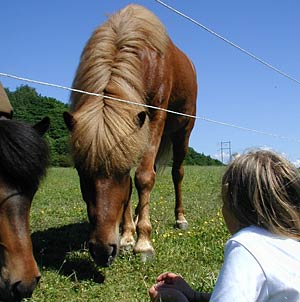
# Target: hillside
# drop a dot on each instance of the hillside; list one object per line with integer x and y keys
{"x": 32, "y": 107}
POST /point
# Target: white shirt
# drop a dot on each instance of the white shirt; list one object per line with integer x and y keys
{"x": 259, "y": 266}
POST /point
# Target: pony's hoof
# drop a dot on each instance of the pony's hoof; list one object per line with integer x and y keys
{"x": 147, "y": 256}
{"x": 126, "y": 245}
{"x": 182, "y": 225}
{"x": 145, "y": 249}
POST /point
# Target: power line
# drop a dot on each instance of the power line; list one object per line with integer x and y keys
{"x": 229, "y": 42}
{"x": 152, "y": 107}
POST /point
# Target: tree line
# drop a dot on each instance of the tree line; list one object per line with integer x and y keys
{"x": 31, "y": 107}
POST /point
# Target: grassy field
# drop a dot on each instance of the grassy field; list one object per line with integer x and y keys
{"x": 60, "y": 230}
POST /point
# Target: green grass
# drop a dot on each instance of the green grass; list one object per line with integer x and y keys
{"x": 60, "y": 230}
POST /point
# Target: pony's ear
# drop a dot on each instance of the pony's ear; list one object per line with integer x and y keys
{"x": 42, "y": 126}
{"x": 140, "y": 118}
{"x": 69, "y": 120}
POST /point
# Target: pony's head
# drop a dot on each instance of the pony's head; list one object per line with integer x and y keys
{"x": 105, "y": 179}
{"x": 23, "y": 161}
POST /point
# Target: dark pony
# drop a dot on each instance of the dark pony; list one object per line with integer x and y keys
{"x": 129, "y": 57}
{"x": 24, "y": 158}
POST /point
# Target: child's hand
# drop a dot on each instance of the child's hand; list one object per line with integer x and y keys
{"x": 170, "y": 285}
{"x": 166, "y": 295}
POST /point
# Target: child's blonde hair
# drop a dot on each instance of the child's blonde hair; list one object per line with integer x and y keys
{"x": 262, "y": 188}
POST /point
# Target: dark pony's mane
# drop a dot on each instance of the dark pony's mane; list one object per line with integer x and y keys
{"x": 24, "y": 155}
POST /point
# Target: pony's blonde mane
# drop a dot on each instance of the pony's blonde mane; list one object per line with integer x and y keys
{"x": 107, "y": 135}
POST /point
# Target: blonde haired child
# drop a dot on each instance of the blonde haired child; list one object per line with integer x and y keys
{"x": 261, "y": 208}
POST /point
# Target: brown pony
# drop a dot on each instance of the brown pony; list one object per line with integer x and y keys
{"x": 130, "y": 57}
{"x": 23, "y": 162}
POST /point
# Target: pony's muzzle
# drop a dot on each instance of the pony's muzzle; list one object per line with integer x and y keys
{"x": 18, "y": 290}
{"x": 22, "y": 289}
{"x": 103, "y": 255}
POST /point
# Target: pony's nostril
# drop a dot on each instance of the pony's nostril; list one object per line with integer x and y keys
{"x": 37, "y": 279}
{"x": 22, "y": 290}
{"x": 114, "y": 250}
{"x": 15, "y": 285}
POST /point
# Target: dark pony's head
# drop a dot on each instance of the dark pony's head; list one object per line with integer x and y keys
{"x": 24, "y": 158}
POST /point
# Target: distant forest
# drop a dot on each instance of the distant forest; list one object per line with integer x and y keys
{"x": 31, "y": 107}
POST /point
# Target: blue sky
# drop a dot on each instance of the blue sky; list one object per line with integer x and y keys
{"x": 43, "y": 40}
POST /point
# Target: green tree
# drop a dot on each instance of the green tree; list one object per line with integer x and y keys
{"x": 31, "y": 107}
{"x": 195, "y": 158}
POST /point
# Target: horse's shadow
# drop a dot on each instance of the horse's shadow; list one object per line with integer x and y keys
{"x": 64, "y": 249}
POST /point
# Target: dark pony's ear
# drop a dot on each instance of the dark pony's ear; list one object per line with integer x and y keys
{"x": 69, "y": 120}
{"x": 140, "y": 118}
{"x": 42, "y": 126}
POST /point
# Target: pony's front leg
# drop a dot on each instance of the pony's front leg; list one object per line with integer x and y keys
{"x": 127, "y": 241}
{"x": 177, "y": 175}
{"x": 144, "y": 181}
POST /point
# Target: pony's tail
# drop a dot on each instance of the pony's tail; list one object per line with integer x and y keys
{"x": 164, "y": 154}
